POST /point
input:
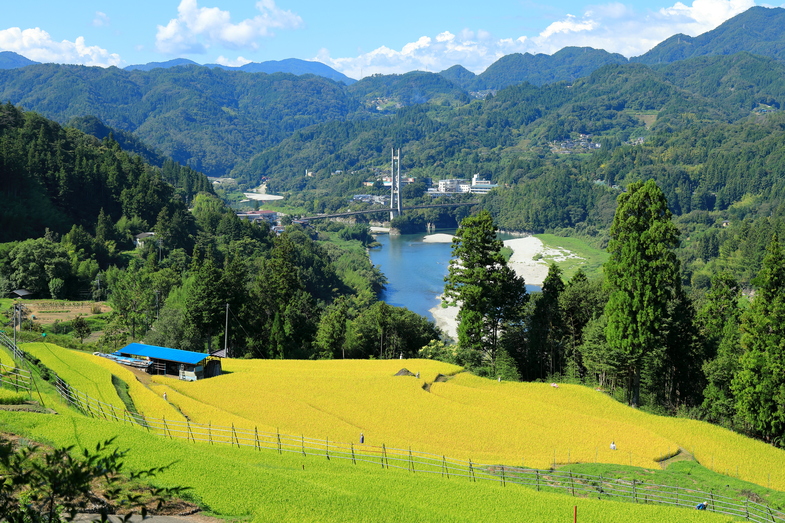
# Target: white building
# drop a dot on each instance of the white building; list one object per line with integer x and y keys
{"x": 480, "y": 186}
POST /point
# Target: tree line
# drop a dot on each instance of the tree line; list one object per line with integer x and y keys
{"x": 637, "y": 332}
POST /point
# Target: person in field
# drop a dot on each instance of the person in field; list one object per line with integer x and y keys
{"x": 613, "y": 445}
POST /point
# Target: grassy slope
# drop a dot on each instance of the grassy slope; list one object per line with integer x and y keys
{"x": 264, "y": 486}
{"x": 589, "y": 258}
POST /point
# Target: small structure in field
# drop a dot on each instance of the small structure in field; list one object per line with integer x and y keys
{"x": 185, "y": 364}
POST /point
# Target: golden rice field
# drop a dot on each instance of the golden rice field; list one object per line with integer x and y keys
{"x": 77, "y": 371}
{"x": 146, "y": 401}
{"x": 465, "y": 417}
{"x": 6, "y": 359}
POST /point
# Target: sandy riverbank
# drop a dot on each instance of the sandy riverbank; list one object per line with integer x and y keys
{"x": 522, "y": 261}
{"x": 438, "y": 238}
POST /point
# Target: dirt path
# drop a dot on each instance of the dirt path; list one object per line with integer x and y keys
{"x": 682, "y": 455}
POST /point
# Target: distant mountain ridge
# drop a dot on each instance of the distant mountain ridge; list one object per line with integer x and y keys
{"x": 289, "y": 65}
{"x": 758, "y": 30}
{"x": 217, "y": 119}
{"x": 11, "y": 60}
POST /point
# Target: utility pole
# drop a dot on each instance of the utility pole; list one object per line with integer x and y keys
{"x": 226, "y": 333}
{"x": 14, "y": 325}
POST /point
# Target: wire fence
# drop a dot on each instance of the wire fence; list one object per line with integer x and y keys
{"x": 417, "y": 462}
{"x": 15, "y": 378}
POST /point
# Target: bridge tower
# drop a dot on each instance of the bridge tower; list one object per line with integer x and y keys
{"x": 395, "y": 184}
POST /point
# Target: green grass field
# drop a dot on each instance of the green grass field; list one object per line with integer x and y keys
{"x": 588, "y": 258}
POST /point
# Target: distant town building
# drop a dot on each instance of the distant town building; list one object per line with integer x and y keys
{"x": 480, "y": 186}
{"x": 451, "y": 185}
{"x": 270, "y": 217}
{"x": 139, "y": 239}
{"x": 387, "y": 181}
{"x": 455, "y": 185}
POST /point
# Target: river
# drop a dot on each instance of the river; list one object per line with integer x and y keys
{"x": 415, "y": 270}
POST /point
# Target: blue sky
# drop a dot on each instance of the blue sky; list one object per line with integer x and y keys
{"x": 356, "y": 37}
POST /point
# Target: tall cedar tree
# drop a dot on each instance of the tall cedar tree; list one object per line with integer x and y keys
{"x": 643, "y": 276}
{"x": 759, "y": 386}
{"x": 488, "y": 292}
{"x": 719, "y": 320}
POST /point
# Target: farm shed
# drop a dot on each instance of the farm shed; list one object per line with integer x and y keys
{"x": 185, "y": 364}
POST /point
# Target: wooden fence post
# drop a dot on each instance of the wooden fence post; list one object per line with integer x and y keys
{"x": 444, "y": 467}
{"x": 572, "y": 485}
{"x": 210, "y": 431}
{"x": 234, "y": 434}
{"x": 411, "y": 462}
{"x": 302, "y": 442}
{"x": 190, "y": 434}
{"x": 256, "y": 438}
{"x": 166, "y": 428}
{"x": 327, "y": 448}
{"x": 353, "y": 461}
{"x": 504, "y": 480}
{"x": 278, "y": 433}
{"x": 537, "y": 473}
{"x": 634, "y": 492}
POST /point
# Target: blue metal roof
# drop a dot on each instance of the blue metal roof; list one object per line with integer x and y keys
{"x": 162, "y": 353}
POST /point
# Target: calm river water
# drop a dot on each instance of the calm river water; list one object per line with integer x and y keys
{"x": 415, "y": 270}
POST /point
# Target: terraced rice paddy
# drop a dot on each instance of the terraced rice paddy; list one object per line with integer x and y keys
{"x": 261, "y": 487}
{"x": 458, "y": 415}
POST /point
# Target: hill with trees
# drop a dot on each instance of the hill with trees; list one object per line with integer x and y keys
{"x": 758, "y": 30}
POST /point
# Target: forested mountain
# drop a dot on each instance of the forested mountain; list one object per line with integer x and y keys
{"x": 759, "y": 30}
{"x": 216, "y": 120}
{"x": 11, "y": 60}
{"x": 290, "y": 65}
{"x": 205, "y": 118}
{"x": 128, "y": 141}
{"x": 614, "y": 104}
{"x": 380, "y": 92}
{"x": 175, "y": 62}
{"x": 566, "y": 65}
{"x": 55, "y": 178}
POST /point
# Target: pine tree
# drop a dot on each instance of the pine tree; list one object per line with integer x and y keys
{"x": 643, "y": 276}
{"x": 759, "y": 386}
{"x": 719, "y": 319}
{"x": 488, "y": 292}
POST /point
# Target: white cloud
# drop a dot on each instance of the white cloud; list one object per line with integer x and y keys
{"x": 101, "y": 19}
{"x": 197, "y": 28}
{"x": 36, "y": 44}
{"x": 237, "y": 62}
{"x": 614, "y": 27}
